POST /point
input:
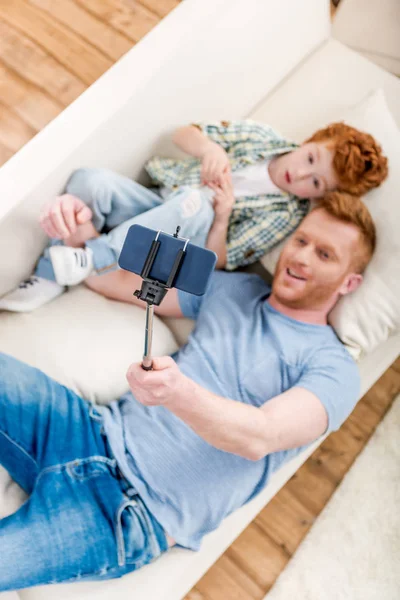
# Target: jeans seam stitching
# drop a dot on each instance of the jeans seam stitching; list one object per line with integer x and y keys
{"x": 154, "y": 544}
{"x": 120, "y": 535}
{"x": 20, "y": 448}
{"x": 111, "y": 462}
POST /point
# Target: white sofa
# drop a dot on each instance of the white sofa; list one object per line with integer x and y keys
{"x": 373, "y": 29}
{"x": 208, "y": 59}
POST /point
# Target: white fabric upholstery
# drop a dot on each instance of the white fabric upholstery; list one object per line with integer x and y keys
{"x": 134, "y": 122}
{"x": 371, "y": 27}
{"x": 368, "y": 317}
{"x": 84, "y": 341}
{"x": 165, "y": 81}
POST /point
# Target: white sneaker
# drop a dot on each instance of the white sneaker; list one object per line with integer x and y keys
{"x": 30, "y": 294}
{"x": 71, "y": 265}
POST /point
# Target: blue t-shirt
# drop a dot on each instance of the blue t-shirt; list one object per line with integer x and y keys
{"x": 245, "y": 350}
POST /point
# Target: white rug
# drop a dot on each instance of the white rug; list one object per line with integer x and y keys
{"x": 353, "y": 550}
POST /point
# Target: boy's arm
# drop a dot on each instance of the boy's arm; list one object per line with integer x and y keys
{"x": 191, "y": 140}
{"x": 214, "y": 159}
{"x": 228, "y": 133}
{"x": 224, "y": 200}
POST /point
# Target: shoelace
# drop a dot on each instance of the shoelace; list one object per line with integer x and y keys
{"x": 27, "y": 282}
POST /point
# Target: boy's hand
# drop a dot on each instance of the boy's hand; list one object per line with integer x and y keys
{"x": 158, "y": 386}
{"x": 223, "y": 198}
{"x": 214, "y": 164}
{"x": 61, "y": 217}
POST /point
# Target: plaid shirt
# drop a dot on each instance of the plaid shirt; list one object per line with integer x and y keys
{"x": 257, "y": 223}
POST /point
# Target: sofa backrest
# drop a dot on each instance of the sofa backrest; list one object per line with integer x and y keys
{"x": 183, "y": 70}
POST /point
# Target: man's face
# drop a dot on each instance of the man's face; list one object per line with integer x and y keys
{"x": 315, "y": 266}
{"x": 307, "y": 172}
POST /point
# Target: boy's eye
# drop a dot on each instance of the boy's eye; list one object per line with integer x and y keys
{"x": 316, "y": 183}
{"x": 324, "y": 255}
{"x": 310, "y": 159}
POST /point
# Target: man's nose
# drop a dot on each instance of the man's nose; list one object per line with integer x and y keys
{"x": 303, "y": 255}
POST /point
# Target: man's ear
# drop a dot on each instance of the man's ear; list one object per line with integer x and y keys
{"x": 351, "y": 283}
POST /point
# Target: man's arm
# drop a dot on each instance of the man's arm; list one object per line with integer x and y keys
{"x": 289, "y": 420}
{"x": 292, "y": 419}
{"x": 120, "y": 285}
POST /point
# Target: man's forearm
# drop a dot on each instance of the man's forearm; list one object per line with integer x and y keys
{"x": 216, "y": 240}
{"x": 226, "y": 424}
{"x": 191, "y": 140}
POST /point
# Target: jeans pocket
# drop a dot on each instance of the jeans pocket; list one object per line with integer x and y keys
{"x": 135, "y": 536}
{"x": 86, "y": 468}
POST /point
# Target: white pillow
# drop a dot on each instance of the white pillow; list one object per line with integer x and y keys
{"x": 83, "y": 341}
{"x": 366, "y": 318}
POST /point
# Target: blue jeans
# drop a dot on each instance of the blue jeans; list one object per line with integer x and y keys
{"x": 82, "y": 520}
{"x": 118, "y": 202}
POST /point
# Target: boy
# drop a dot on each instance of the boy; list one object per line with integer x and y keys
{"x": 243, "y": 189}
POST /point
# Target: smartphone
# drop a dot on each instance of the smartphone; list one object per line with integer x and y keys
{"x": 197, "y": 266}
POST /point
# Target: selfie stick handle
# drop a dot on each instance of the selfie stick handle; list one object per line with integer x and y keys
{"x": 154, "y": 291}
{"x": 147, "y": 362}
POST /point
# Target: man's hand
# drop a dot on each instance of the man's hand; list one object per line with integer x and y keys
{"x": 214, "y": 164}
{"x": 156, "y": 387}
{"x": 223, "y": 197}
{"x": 61, "y": 217}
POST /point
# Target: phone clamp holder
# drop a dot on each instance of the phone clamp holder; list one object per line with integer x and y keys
{"x": 153, "y": 291}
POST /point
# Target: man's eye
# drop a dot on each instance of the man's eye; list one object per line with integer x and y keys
{"x": 310, "y": 159}
{"x": 316, "y": 183}
{"x": 301, "y": 241}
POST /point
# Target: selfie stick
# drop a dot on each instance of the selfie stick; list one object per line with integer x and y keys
{"x": 153, "y": 291}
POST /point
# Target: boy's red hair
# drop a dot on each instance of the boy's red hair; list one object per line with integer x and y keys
{"x": 358, "y": 160}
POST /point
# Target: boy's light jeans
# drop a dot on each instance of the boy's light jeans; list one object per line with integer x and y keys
{"x": 82, "y": 520}
{"x": 118, "y": 202}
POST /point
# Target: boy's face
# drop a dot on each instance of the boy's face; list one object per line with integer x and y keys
{"x": 307, "y": 172}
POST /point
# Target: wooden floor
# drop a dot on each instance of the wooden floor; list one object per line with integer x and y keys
{"x": 50, "y": 52}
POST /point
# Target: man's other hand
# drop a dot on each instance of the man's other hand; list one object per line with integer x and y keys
{"x": 156, "y": 387}
{"x": 61, "y": 217}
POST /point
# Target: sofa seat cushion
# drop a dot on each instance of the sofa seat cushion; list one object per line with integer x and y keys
{"x": 84, "y": 341}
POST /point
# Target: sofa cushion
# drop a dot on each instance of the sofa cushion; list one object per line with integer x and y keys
{"x": 321, "y": 91}
{"x": 369, "y": 316}
{"x": 84, "y": 341}
{"x": 371, "y": 28}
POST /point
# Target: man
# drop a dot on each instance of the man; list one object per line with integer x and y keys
{"x": 262, "y": 376}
